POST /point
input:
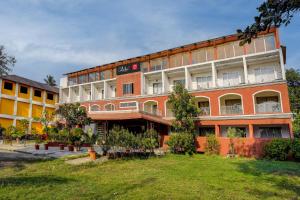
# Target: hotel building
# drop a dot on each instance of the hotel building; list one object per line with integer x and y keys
{"x": 21, "y": 98}
{"x": 235, "y": 86}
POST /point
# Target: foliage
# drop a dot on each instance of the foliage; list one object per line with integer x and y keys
{"x": 13, "y": 132}
{"x": 89, "y": 137}
{"x": 295, "y": 148}
{"x": 184, "y": 108}
{"x": 6, "y": 62}
{"x": 38, "y": 138}
{"x": 63, "y": 135}
{"x": 45, "y": 120}
{"x": 24, "y": 126}
{"x": 182, "y": 143}
{"x": 73, "y": 115}
{"x": 76, "y": 135}
{"x": 53, "y": 134}
{"x": 233, "y": 133}
{"x": 277, "y": 149}
{"x": 150, "y": 140}
{"x": 271, "y": 13}
{"x": 49, "y": 80}
{"x": 296, "y": 125}
{"x": 293, "y": 81}
{"x": 212, "y": 145}
{"x": 121, "y": 137}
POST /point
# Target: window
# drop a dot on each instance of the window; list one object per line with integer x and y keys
{"x": 206, "y": 131}
{"x": 128, "y": 88}
{"x": 158, "y": 64}
{"x": 8, "y": 86}
{"x": 93, "y": 76}
{"x": 176, "y": 60}
{"x": 102, "y": 94}
{"x": 23, "y": 90}
{"x": 72, "y": 80}
{"x": 127, "y": 104}
{"x": 238, "y": 50}
{"x": 37, "y": 93}
{"x": 144, "y": 66}
{"x": 50, "y": 96}
{"x": 270, "y": 132}
{"x": 268, "y": 104}
{"x": 181, "y": 81}
{"x": 102, "y": 75}
{"x": 264, "y": 74}
{"x": 204, "y": 108}
{"x": 204, "y": 82}
{"x": 259, "y": 44}
{"x": 157, "y": 88}
{"x": 198, "y": 56}
{"x": 231, "y": 78}
{"x": 82, "y": 79}
{"x": 270, "y": 42}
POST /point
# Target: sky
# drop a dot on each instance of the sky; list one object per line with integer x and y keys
{"x": 60, "y": 36}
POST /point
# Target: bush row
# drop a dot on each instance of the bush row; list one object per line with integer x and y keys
{"x": 283, "y": 149}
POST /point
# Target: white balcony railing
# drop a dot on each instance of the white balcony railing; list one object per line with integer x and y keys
{"x": 268, "y": 107}
{"x": 204, "y": 111}
{"x": 231, "y": 110}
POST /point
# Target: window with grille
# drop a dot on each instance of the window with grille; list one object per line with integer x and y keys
{"x": 23, "y": 90}
{"x": 8, "y": 86}
{"x": 128, "y": 88}
{"x": 37, "y": 93}
{"x": 157, "y": 88}
{"x": 270, "y": 132}
{"x": 50, "y": 96}
{"x": 128, "y": 104}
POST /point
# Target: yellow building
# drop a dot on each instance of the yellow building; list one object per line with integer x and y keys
{"x": 21, "y": 98}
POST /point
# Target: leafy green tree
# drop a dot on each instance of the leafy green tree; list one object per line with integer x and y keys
{"x": 6, "y": 62}
{"x": 271, "y": 13}
{"x": 184, "y": 107}
{"x": 45, "y": 120}
{"x": 296, "y": 125}
{"x": 49, "y": 80}
{"x": 293, "y": 81}
{"x": 73, "y": 115}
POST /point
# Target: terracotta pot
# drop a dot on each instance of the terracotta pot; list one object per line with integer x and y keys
{"x": 37, "y": 146}
{"x": 92, "y": 154}
{"x": 61, "y": 146}
{"x": 46, "y": 146}
{"x": 71, "y": 147}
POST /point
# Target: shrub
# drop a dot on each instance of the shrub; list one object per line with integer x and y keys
{"x": 63, "y": 135}
{"x": 295, "y": 148}
{"x": 182, "y": 143}
{"x": 212, "y": 145}
{"x": 277, "y": 149}
{"x": 53, "y": 134}
{"x": 75, "y": 135}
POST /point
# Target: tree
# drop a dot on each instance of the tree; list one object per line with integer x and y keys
{"x": 184, "y": 108}
{"x": 6, "y": 62}
{"x": 73, "y": 115}
{"x": 49, "y": 80}
{"x": 293, "y": 81}
{"x": 271, "y": 13}
{"x": 296, "y": 125}
{"x": 45, "y": 120}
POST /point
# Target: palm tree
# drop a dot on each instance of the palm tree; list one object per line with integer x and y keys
{"x": 49, "y": 80}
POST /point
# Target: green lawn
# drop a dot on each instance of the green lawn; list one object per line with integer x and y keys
{"x": 170, "y": 177}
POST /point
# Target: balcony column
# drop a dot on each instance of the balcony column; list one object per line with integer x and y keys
{"x": 282, "y": 64}
{"x": 217, "y": 130}
{"x": 245, "y": 69}
{"x": 251, "y": 131}
{"x": 105, "y": 90}
{"x": 214, "y": 74}
{"x": 69, "y": 99}
{"x": 92, "y": 92}
{"x": 80, "y": 92}
{"x": 165, "y": 84}
{"x": 187, "y": 78}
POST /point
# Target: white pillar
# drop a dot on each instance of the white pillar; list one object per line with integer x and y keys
{"x": 187, "y": 79}
{"x": 92, "y": 91}
{"x": 214, "y": 74}
{"x": 80, "y": 92}
{"x": 282, "y": 64}
{"x": 245, "y": 70}
{"x": 105, "y": 89}
{"x": 70, "y": 94}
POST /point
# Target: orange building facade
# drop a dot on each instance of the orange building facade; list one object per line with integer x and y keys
{"x": 235, "y": 86}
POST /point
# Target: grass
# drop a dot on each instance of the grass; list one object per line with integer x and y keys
{"x": 170, "y": 177}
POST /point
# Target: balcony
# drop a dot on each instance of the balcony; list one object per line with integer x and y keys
{"x": 268, "y": 107}
{"x": 267, "y": 102}
{"x": 204, "y": 111}
{"x": 231, "y": 110}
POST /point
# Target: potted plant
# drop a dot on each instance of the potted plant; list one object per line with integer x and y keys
{"x": 75, "y": 137}
{"x": 37, "y": 138}
{"x": 91, "y": 138}
{"x": 63, "y": 136}
{"x": 10, "y": 133}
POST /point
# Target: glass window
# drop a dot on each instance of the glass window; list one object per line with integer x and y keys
{"x": 72, "y": 80}
{"x": 144, "y": 66}
{"x": 102, "y": 77}
{"x": 37, "y": 93}
{"x": 23, "y": 90}
{"x": 93, "y": 76}
{"x": 204, "y": 82}
{"x": 82, "y": 78}
{"x": 199, "y": 56}
{"x": 264, "y": 74}
{"x": 221, "y": 52}
{"x": 8, "y": 85}
{"x": 250, "y": 47}
{"x": 229, "y": 50}
{"x": 157, "y": 88}
{"x": 181, "y": 81}
{"x": 128, "y": 88}
{"x": 206, "y": 131}
{"x": 186, "y": 58}
{"x": 238, "y": 50}
{"x": 270, "y": 42}
{"x": 270, "y": 132}
{"x": 50, "y": 96}
{"x": 210, "y": 54}
{"x": 231, "y": 78}
{"x": 127, "y": 104}
{"x": 176, "y": 60}
{"x": 158, "y": 64}
{"x": 259, "y": 44}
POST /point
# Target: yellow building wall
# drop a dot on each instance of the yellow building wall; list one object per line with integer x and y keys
{"x": 6, "y": 122}
{"x": 51, "y": 101}
{"x": 37, "y": 126}
{"x": 22, "y": 95}
{"x": 37, "y": 111}
{"x": 9, "y": 92}
{"x": 7, "y": 106}
{"x": 39, "y": 99}
{"x": 23, "y": 109}
{"x": 50, "y": 110}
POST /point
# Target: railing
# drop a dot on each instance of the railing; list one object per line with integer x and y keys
{"x": 231, "y": 110}
{"x": 204, "y": 111}
{"x": 268, "y": 107}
